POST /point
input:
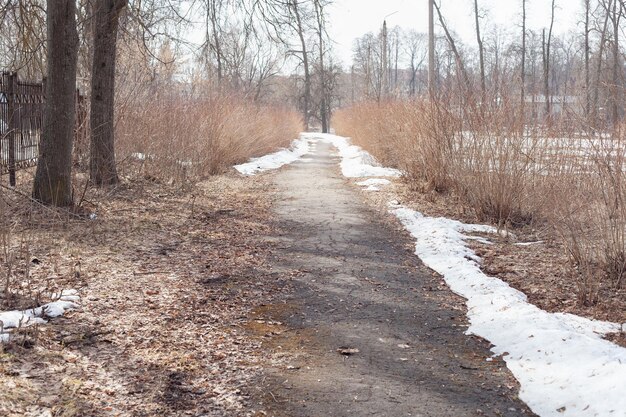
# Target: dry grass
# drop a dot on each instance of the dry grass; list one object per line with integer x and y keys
{"x": 484, "y": 158}
{"x": 168, "y": 278}
{"x": 511, "y": 174}
{"x": 176, "y": 136}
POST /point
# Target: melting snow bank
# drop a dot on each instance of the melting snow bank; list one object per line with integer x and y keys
{"x": 275, "y": 160}
{"x": 10, "y": 320}
{"x": 563, "y": 365}
{"x": 373, "y": 184}
{"x": 355, "y": 162}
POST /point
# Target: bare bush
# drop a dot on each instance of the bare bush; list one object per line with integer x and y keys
{"x": 512, "y": 174}
{"x": 486, "y": 157}
{"x": 590, "y": 215}
{"x": 416, "y": 137}
{"x": 176, "y": 137}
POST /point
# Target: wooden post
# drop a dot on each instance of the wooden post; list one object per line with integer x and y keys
{"x": 13, "y": 124}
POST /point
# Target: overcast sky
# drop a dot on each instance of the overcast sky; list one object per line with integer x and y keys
{"x": 349, "y": 19}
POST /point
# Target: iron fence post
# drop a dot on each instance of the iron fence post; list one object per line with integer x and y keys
{"x": 13, "y": 124}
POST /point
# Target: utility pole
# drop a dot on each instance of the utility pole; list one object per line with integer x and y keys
{"x": 385, "y": 66}
{"x": 431, "y": 50}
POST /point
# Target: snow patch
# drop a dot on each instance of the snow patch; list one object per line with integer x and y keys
{"x": 564, "y": 366}
{"x": 529, "y": 243}
{"x": 9, "y": 320}
{"x": 298, "y": 148}
{"x": 355, "y": 162}
{"x": 374, "y": 181}
{"x": 373, "y": 184}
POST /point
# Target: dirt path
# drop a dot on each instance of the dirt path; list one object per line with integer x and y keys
{"x": 360, "y": 287}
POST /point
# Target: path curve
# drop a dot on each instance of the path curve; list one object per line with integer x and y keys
{"x": 360, "y": 287}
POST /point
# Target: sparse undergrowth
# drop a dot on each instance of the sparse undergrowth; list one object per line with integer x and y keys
{"x": 176, "y": 136}
{"x": 567, "y": 185}
{"x": 167, "y": 279}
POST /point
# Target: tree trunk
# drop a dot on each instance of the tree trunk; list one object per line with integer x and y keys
{"x": 481, "y": 55}
{"x": 523, "y": 69}
{"x": 546, "y": 65}
{"x": 615, "y": 110}
{"x": 53, "y": 177}
{"x": 305, "y": 64}
{"x": 325, "y": 100}
{"x": 212, "y": 15}
{"x": 596, "y": 90}
{"x": 587, "y": 86}
{"x": 455, "y": 51}
{"x": 102, "y": 164}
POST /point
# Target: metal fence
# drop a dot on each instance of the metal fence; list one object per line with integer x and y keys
{"x": 21, "y": 123}
{"x": 21, "y": 120}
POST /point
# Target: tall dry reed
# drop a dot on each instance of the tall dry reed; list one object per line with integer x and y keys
{"x": 511, "y": 173}
{"x": 176, "y": 136}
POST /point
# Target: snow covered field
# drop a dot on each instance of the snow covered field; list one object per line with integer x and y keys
{"x": 564, "y": 366}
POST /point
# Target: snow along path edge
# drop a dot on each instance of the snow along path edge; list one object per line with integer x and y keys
{"x": 9, "y": 320}
{"x": 298, "y": 148}
{"x": 563, "y": 365}
{"x": 355, "y": 162}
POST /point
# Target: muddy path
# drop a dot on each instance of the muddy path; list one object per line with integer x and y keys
{"x": 368, "y": 330}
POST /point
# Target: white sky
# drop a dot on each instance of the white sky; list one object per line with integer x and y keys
{"x": 350, "y": 19}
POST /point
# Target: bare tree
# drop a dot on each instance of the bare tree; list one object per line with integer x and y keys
{"x": 213, "y": 29}
{"x": 384, "y": 65}
{"x": 546, "y": 62}
{"x": 53, "y": 177}
{"x": 481, "y": 53}
{"x": 431, "y": 49}
{"x": 22, "y": 40}
{"x": 523, "y": 69}
{"x": 586, "y": 47}
{"x": 415, "y": 45}
{"x": 320, "y": 30}
{"x": 455, "y": 51}
{"x": 603, "y": 36}
{"x": 102, "y": 152}
{"x": 616, "y": 15}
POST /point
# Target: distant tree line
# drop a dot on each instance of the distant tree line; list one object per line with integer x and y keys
{"x": 582, "y": 69}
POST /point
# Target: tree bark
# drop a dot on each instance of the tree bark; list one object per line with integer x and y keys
{"x": 53, "y": 177}
{"x": 102, "y": 164}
